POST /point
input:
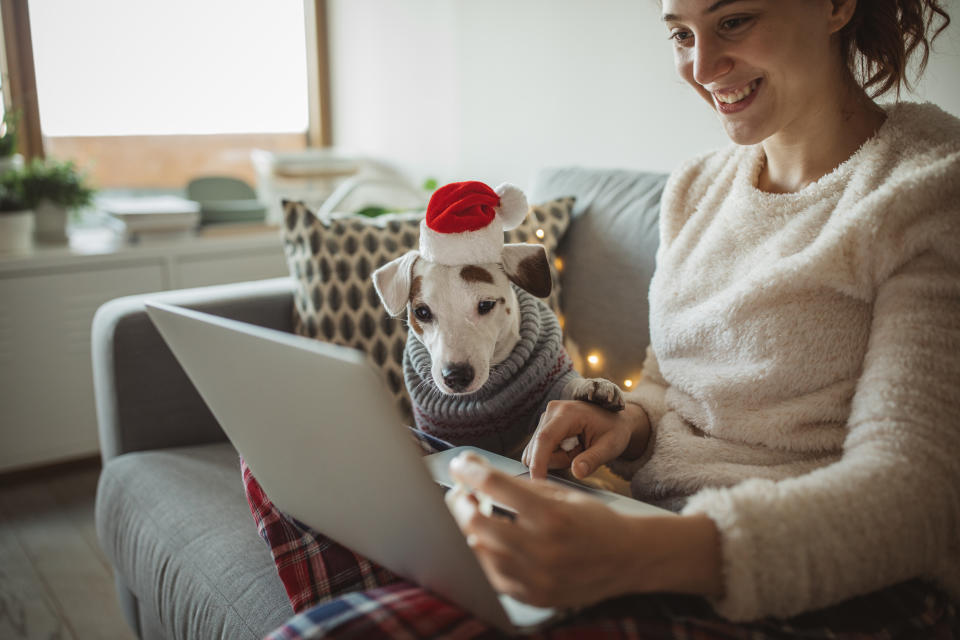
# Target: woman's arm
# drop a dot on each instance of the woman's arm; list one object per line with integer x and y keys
{"x": 889, "y": 510}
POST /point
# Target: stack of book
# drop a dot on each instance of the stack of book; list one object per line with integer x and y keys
{"x": 152, "y": 218}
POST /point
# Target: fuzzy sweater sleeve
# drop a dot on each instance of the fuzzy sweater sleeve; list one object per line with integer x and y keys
{"x": 888, "y": 509}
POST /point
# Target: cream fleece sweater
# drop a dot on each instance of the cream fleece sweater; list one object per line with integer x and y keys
{"x": 805, "y": 392}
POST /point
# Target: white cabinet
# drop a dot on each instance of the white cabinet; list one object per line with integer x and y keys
{"x": 47, "y": 302}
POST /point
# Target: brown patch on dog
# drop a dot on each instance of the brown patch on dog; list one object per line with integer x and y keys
{"x": 533, "y": 275}
{"x": 415, "y": 285}
{"x": 473, "y": 273}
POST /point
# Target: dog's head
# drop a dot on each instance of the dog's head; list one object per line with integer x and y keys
{"x": 466, "y": 315}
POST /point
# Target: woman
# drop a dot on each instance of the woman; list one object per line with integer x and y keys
{"x": 800, "y": 400}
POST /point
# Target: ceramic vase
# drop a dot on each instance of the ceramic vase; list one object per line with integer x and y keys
{"x": 16, "y": 231}
{"x": 51, "y": 223}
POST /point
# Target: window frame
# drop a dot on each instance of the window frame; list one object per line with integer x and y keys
{"x": 20, "y": 96}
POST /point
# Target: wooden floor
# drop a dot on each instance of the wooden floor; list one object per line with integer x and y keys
{"x": 54, "y": 580}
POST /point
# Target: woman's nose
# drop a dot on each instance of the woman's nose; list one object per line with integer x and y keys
{"x": 710, "y": 61}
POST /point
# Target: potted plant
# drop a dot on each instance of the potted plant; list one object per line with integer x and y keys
{"x": 52, "y": 189}
{"x": 16, "y": 218}
{"x": 9, "y": 158}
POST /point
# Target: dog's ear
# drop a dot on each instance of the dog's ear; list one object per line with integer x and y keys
{"x": 392, "y": 282}
{"x": 527, "y": 267}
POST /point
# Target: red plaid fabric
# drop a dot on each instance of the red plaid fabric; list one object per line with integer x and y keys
{"x": 910, "y": 611}
{"x": 312, "y": 567}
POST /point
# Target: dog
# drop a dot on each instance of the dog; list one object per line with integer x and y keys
{"x": 484, "y": 353}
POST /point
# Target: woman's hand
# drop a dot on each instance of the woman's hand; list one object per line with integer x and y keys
{"x": 565, "y": 548}
{"x": 603, "y": 435}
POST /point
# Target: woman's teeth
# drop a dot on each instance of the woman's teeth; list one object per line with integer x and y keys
{"x": 736, "y": 96}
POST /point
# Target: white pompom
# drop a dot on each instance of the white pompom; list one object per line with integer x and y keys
{"x": 513, "y": 205}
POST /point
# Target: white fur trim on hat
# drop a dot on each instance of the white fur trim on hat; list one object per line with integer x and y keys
{"x": 481, "y": 246}
{"x": 513, "y": 206}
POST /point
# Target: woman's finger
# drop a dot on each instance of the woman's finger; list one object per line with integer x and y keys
{"x": 544, "y": 447}
{"x": 527, "y": 450}
{"x": 601, "y": 451}
{"x": 505, "y": 575}
{"x": 525, "y": 497}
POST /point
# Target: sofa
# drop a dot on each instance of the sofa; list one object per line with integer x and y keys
{"x": 171, "y": 514}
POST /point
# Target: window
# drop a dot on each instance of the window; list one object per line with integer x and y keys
{"x": 147, "y": 94}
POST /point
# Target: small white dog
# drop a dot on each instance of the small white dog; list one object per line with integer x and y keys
{"x": 484, "y": 355}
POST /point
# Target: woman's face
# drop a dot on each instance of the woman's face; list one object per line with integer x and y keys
{"x": 765, "y": 66}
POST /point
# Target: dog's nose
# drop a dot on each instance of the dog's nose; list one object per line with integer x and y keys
{"x": 458, "y": 375}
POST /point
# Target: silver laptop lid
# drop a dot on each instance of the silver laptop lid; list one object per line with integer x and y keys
{"x": 322, "y": 436}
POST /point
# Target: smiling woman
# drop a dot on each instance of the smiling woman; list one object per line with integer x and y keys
{"x": 792, "y": 408}
{"x": 772, "y": 71}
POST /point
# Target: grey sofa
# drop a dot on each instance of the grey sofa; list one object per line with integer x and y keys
{"x": 170, "y": 511}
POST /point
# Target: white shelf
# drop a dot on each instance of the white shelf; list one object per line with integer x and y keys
{"x": 49, "y": 296}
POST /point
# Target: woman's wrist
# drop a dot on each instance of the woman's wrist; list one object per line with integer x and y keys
{"x": 639, "y": 431}
{"x": 677, "y": 554}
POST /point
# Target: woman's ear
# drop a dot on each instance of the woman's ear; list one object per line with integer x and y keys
{"x": 392, "y": 282}
{"x": 842, "y": 13}
{"x": 527, "y": 267}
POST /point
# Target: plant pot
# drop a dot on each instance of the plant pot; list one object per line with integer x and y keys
{"x": 51, "y": 223}
{"x": 16, "y": 231}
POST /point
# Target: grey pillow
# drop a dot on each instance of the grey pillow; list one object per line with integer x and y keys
{"x": 609, "y": 254}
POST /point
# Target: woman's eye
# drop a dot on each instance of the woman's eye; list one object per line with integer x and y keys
{"x": 423, "y": 313}
{"x": 485, "y": 306}
{"x": 733, "y": 23}
{"x": 680, "y": 36}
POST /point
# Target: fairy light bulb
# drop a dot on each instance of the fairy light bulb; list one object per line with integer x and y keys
{"x": 558, "y": 264}
{"x": 540, "y": 233}
{"x": 628, "y": 383}
{"x": 594, "y": 359}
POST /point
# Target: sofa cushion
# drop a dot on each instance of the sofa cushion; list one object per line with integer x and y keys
{"x": 175, "y": 525}
{"x": 609, "y": 254}
{"x": 332, "y": 260}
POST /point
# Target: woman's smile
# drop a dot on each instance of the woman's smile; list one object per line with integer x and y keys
{"x": 736, "y": 99}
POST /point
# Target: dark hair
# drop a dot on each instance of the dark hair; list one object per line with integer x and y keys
{"x": 882, "y": 36}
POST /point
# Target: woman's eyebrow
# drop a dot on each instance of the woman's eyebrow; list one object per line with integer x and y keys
{"x": 719, "y": 4}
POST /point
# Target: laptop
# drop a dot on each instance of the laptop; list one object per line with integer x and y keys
{"x": 322, "y": 435}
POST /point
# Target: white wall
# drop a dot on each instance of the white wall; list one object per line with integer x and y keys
{"x": 493, "y": 89}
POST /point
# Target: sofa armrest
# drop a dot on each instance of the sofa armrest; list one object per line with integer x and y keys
{"x": 144, "y": 399}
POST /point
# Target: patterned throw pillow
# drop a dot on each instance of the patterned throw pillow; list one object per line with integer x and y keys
{"x": 332, "y": 261}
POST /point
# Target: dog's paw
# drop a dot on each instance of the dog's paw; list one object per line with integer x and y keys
{"x": 597, "y": 391}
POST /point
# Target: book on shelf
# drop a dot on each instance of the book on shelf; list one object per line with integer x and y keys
{"x": 154, "y": 217}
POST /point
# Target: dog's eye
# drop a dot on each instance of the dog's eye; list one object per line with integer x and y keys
{"x": 423, "y": 313}
{"x": 486, "y": 306}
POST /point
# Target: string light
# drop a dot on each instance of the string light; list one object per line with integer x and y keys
{"x": 628, "y": 383}
{"x": 540, "y": 233}
{"x": 594, "y": 359}
{"x": 558, "y": 264}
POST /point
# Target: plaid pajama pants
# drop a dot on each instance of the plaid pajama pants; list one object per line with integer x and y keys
{"x": 336, "y": 593}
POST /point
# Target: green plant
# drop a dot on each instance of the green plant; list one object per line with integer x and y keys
{"x": 429, "y": 185}
{"x": 55, "y": 181}
{"x": 8, "y": 134}
{"x": 11, "y": 193}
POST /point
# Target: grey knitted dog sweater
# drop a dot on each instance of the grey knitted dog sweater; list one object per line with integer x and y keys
{"x": 501, "y": 414}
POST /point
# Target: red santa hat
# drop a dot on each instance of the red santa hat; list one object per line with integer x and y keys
{"x": 465, "y": 222}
